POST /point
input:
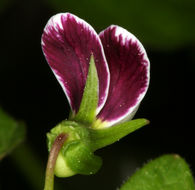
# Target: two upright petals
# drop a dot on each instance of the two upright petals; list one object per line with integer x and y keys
{"x": 68, "y": 43}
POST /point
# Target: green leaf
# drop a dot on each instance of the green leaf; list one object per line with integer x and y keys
{"x": 12, "y": 133}
{"x": 106, "y": 136}
{"x": 87, "y": 110}
{"x": 168, "y": 172}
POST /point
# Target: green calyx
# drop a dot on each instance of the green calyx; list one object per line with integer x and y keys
{"x": 75, "y": 156}
{"x": 77, "y": 153}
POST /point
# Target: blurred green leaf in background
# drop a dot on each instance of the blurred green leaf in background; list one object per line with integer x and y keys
{"x": 161, "y": 25}
{"x": 4, "y": 4}
{"x": 12, "y": 133}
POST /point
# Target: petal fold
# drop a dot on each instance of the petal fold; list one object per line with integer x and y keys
{"x": 129, "y": 75}
{"x": 68, "y": 43}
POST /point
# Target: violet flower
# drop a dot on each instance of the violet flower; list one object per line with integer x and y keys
{"x": 122, "y": 68}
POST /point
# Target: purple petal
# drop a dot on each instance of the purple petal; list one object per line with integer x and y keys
{"x": 129, "y": 74}
{"x": 68, "y": 43}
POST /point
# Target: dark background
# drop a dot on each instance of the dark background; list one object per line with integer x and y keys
{"x": 30, "y": 92}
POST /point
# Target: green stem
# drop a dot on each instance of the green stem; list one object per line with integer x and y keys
{"x": 55, "y": 149}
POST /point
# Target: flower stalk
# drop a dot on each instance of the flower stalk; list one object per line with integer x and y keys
{"x": 56, "y": 147}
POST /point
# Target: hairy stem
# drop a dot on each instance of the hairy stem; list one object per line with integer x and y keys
{"x": 55, "y": 149}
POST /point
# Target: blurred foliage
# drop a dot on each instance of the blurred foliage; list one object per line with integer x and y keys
{"x": 28, "y": 163}
{"x": 12, "y": 133}
{"x": 4, "y": 4}
{"x": 168, "y": 172}
{"x": 159, "y": 24}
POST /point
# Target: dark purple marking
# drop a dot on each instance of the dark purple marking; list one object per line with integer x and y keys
{"x": 68, "y": 43}
{"x": 129, "y": 73}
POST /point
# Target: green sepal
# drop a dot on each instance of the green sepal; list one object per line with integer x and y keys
{"x": 106, "y": 136}
{"x": 89, "y": 102}
{"x": 82, "y": 160}
{"x": 168, "y": 172}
